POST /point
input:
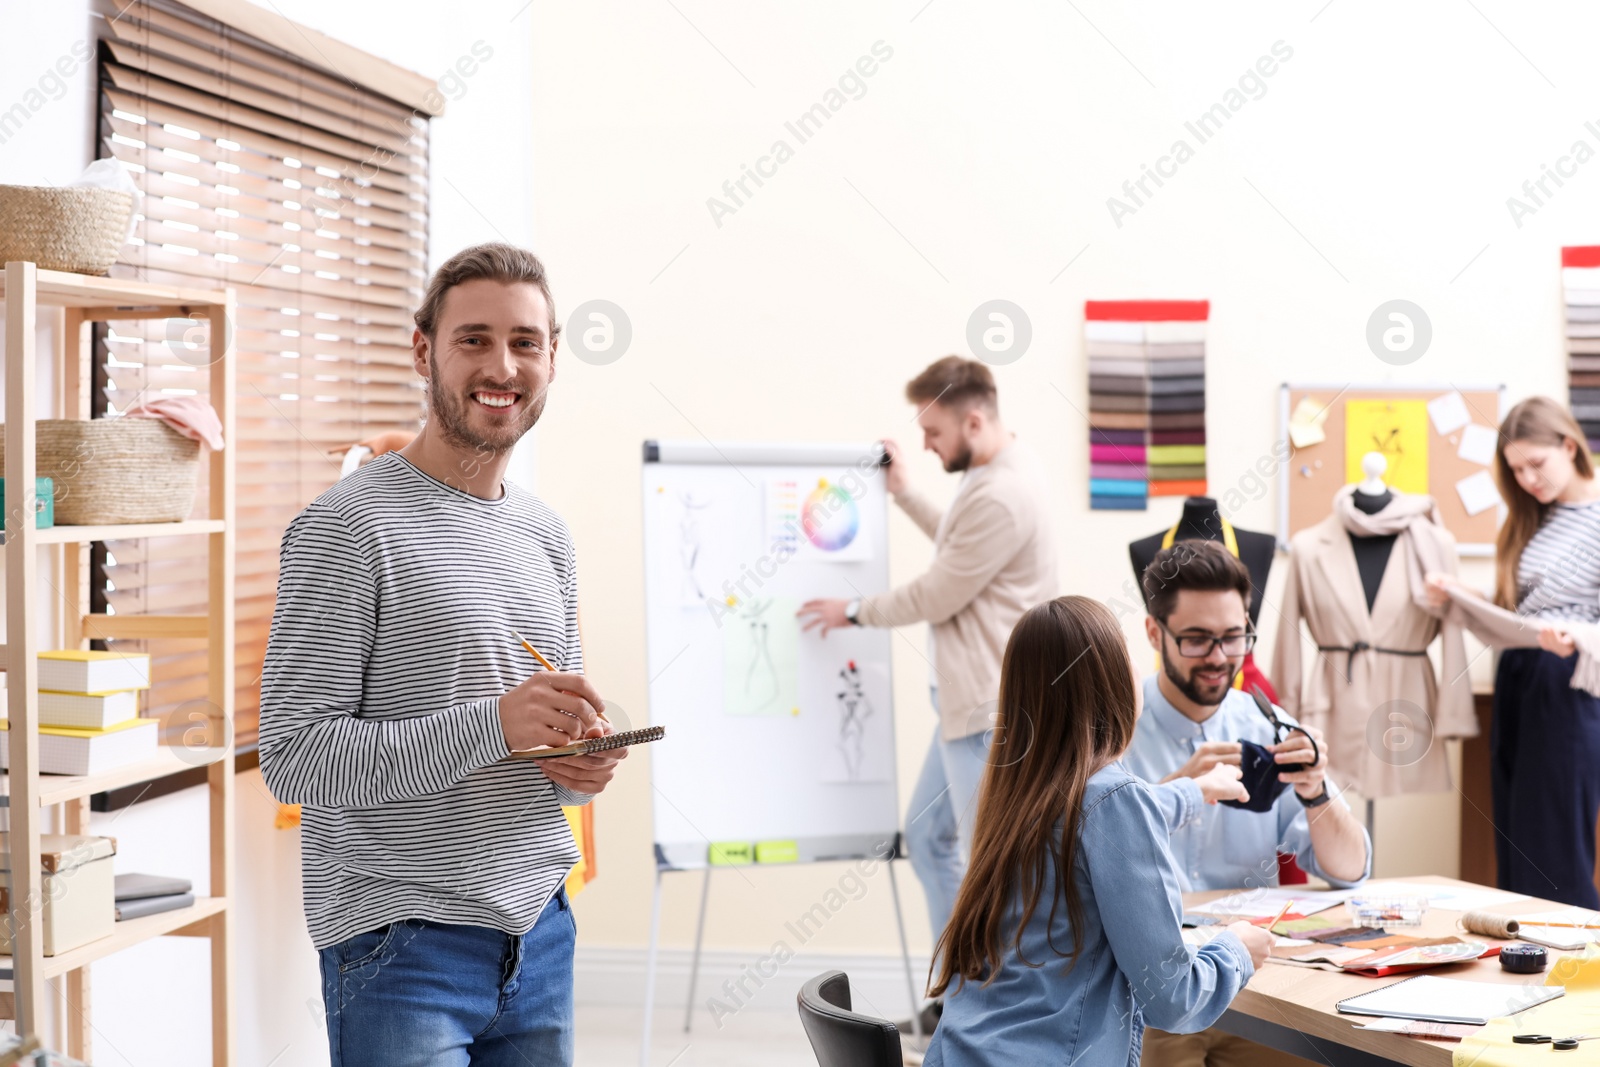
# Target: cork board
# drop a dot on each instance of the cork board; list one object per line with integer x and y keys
{"x": 1403, "y": 422}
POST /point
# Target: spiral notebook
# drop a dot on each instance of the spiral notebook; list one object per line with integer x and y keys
{"x": 1449, "y": 1000}
{"x": 625, "y": 739}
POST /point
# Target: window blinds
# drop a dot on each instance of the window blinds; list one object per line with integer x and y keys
{"x": 307, "y": 193}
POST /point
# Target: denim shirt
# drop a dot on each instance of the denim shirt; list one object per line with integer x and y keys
{"x": 1133, "y": 968}
{"x": 1218, "y": 847}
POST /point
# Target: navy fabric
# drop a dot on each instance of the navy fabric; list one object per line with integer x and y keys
{"x": 1259, "y": 776}
{"x": 1545, "y": 773}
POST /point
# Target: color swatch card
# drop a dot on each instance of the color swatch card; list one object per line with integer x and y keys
{"x": 1147, "y": 400}
{"x": 1580, "y": 278}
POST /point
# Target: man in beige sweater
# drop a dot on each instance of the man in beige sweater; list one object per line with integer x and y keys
{"x": 993, "y": 559}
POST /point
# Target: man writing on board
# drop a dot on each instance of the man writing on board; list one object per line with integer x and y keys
{"x": 394, "y": 687}
{"x": 993, "y": 559}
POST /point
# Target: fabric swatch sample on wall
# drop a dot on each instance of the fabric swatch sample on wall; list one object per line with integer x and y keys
{"x": 1580, "y": 278}
{"x": 1146, "y": 366}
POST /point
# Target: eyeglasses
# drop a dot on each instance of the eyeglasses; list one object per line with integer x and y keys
{"x": 1199, "y": 646}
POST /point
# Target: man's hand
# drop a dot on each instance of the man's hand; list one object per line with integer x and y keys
{"x": 828, "y": 614}
{"x": 585, "y": 774}
{"x": 549, "y": 710}
{"x": 1207, "y": 756}
{"x": 894, "y": 475}
{"x": 1554, "y": 639}
{"x": 1221, "y": 782}
{"x": 1297, "y": 749}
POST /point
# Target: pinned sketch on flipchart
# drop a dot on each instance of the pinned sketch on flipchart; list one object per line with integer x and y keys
{"x": 854, "y": 708}
{"x": 859, "y": 731}
{"x": 692, "y": 512}
{"x": 761, "y": 657}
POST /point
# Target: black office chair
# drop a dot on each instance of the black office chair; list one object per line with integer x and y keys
{"x": 839, "y": 1036}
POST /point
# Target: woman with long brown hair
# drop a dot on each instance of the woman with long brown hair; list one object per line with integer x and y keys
{"x": 1065, "y": 940}
{"x": 1545, "y": 740}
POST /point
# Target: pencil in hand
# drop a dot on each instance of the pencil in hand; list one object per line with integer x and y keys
{"x": 546, "y": 665}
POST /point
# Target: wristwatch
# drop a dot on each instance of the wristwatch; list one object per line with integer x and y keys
{"x": 851, "y": 610}
{"x": 1318, "y": 800}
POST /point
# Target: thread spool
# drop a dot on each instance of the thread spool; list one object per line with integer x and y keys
{"x": 1489, "y": 925}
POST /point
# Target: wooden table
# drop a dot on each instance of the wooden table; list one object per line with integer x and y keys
{"x": 1292, "y": 1008}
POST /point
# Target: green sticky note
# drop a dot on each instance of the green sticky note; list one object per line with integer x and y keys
{"x": 777, "y": 852}
{"x": 730, "y": 853}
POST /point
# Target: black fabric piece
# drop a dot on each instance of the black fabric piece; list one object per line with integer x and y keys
{"x": 1259, "y": 776}
{"x": 1372, "y": 559}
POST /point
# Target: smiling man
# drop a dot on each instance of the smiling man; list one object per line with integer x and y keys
{"x": 394, "y": 689}
{"x": 1198, "y": 595}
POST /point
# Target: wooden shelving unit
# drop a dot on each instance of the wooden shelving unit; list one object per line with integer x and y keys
{"x": 76, "y": 301}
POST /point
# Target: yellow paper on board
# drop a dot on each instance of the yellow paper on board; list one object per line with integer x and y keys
{"x": 1396, "y": 428}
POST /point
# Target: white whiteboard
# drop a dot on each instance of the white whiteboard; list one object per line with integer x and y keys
{"x": 772, "y": 735}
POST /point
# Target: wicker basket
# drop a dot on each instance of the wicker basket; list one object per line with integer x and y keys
{"x": 117, "y": 470}
{"x": 78, "y": 230}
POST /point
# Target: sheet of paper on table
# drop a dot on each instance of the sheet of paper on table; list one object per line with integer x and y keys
{"x": 1266, "y": 902}
{"x": 1560, "y": 938}
{"x": 1419, "y": 1028}
{"x": 1448, "y": 897}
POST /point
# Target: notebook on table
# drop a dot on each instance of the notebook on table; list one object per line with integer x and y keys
{"x": 1448, "y": 1000}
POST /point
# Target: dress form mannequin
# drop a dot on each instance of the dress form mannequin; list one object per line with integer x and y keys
{"x": 1372, "y": 553}
{"x": 1200, "y": 520}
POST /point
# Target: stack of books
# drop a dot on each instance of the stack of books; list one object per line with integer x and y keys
{"x": 149, "y": 894}
{"x": 89, "y": 712}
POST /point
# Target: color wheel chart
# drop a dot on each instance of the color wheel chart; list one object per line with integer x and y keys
{"x": 1147, "y": 400}
{"x": 1580, "y": 277}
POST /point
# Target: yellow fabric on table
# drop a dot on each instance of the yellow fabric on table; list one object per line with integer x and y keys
{"x": 1572, "y": 1015}
{"x": 1576, "y": 1013}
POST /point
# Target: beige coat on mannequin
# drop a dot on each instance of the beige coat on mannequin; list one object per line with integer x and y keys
{"x": 1370, "y": 704}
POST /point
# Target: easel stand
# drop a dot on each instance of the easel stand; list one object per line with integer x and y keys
{"x": 699, "y": 938}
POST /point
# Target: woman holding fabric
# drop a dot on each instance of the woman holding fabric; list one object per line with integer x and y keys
{"x": 1545, "y": 742}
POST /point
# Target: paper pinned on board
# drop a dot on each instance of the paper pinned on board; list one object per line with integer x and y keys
{"x": 1478, "y": 444}
{"x": 1305, "y": 424}
{"x": 1449, "y": 413}
{"x": 1478, "y": 493}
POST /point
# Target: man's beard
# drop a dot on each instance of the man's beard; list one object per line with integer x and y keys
{"x": 1191, "y": 689}
{"x": 959, "y": 462}
{"x": 450, "y": 414}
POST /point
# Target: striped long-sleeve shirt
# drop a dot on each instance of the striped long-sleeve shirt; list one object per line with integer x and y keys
{"x": 1559, "y": 570}
{"x": 390, "y": 647}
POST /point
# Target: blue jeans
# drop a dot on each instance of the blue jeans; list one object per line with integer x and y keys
{"x": 418, "y": 993}
{"x": 939, "y": 822}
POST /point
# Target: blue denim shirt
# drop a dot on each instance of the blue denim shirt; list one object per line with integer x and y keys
{"x": 1134, "y": 969}
{"x": 1218, "y": 847}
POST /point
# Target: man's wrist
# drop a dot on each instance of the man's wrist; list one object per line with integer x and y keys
{"x": 1317, "y": 799}
{"x": 852, "y": 612}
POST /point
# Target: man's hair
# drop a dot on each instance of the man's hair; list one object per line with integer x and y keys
{"x": 958, "y": 384}
{"x": 1204, "y": 566}
{"x": 496, "y": 261}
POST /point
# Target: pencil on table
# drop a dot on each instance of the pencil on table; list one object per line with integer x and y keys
{"x": 546, "y": 665}
{"x": 1280, "y": 916}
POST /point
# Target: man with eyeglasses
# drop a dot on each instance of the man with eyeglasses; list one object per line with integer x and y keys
{"x": 1194, "y": 720}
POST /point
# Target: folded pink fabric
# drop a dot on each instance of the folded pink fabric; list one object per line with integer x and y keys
{"x": 1136, "y": 472}
{"x": 189, "y": 415}
{"x": 1116, "y": 453}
